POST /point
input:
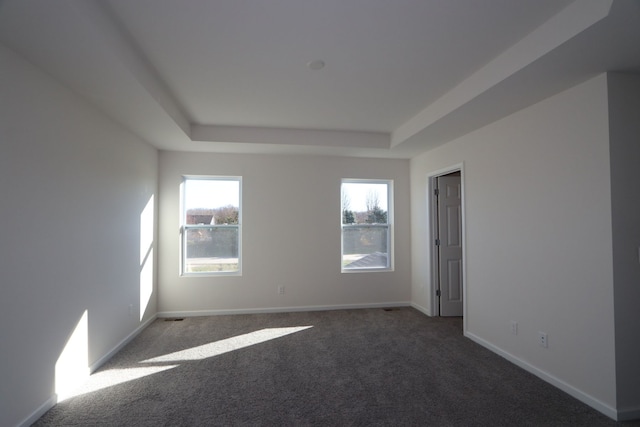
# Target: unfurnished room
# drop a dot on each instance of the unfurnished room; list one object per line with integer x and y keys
{"x": 337, "y": 212}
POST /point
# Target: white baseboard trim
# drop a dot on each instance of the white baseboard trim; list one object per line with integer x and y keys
{"x": 625, "y": 414}
{"x": 629, "y": 414}
{"x": 101, "y": 361}
{"x": 35, "y": 415}
{"x": 53, "y": 400}
{"x": 551, "y": 379}
{"x": 421, "y": 309}
{"x": 194, "y": 313}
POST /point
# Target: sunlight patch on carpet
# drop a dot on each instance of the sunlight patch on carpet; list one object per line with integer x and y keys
{"x": 113, "y": 377}
{"x": 226, "y": 345}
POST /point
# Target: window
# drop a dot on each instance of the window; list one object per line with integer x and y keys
{"x": 211, "y": 225}
{"x": 366, "y": 225}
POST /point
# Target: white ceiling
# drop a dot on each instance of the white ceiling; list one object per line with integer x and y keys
{"x": 243, "y": 62}
{"x": 401, "y": 76}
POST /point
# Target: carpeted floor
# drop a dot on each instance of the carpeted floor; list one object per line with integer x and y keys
{"x": 368, "y": 367}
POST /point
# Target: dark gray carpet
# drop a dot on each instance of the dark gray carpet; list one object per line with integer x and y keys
{"x": 351, "y": 368}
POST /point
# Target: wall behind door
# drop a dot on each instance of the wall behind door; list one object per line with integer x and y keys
{"x": 538, "y": 237}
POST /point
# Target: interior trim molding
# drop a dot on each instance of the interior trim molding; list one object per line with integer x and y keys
{"x": 553, "y": 380}
{"x": 628, "y": 414}
{"x": 421, "y": 309}
{"x": 263, "y": 310}
{"x": 432, "y": 214}
{"x": 53, "y": 400}
{"x": 101, "y": 361}
{"x": 42, "y": 409}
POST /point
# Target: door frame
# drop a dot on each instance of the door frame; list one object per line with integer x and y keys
{"x": 432, "y": 227}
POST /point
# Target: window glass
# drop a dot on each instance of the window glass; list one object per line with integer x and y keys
{"x": 366, "y": 225}
{"x": 211, "y": 232}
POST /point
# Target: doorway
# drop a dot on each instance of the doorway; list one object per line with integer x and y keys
{"x": 448, "y": 243}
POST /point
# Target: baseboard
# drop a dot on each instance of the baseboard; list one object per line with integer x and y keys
{"x": 194, "y": 313}
{"x": 35, "y": 415}
{"x": 101, "y": 361}
{"x": 53, "y": 400}
{"x": 421, "y": 309}
{"x": 618, "y": 415}
{"x": 629, "y": 414}
{"x": 551, "y": 379}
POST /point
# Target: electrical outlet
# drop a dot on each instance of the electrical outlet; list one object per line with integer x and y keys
{"x": 543, "y": 339}
{"x": 514, "y": 327}
{"x": 281, "y": 290}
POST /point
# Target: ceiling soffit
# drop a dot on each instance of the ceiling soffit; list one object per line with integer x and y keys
{"x": 115, "y": 74}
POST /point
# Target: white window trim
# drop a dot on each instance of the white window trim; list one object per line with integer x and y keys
{"x": 389, "y": 226}
{"x": 184, "y": 226}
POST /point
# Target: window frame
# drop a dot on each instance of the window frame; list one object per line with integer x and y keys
{"x": 389, "y": 226}
{"x": 184, "y": 227}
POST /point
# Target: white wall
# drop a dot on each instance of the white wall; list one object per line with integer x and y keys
{"x": 73, "y": 186}
{"x": 624, "y": 115}
{"x": 538, "y": 238}
{"x": 540, "y": 186}
{"x": 291, "y": 235}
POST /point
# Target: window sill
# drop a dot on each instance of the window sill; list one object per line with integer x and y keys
{"x": 367, "y": 270}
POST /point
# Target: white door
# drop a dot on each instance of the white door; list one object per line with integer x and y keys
{"x": 449, "y": 243}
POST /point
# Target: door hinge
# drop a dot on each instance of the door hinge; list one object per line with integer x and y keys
{"x": 436, "y": 192}
{"x": 437, "y": 242}
{"x": 438, "y": 292}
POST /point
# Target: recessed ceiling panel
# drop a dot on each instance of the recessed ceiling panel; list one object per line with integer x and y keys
{"x": 245, "y": 63}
